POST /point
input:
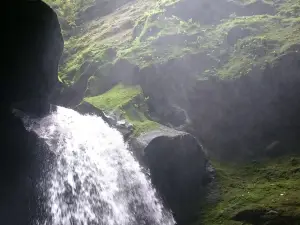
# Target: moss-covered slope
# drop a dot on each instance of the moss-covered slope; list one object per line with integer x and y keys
{"x": 239, "y": 34}
{"x": 266, "y": 192}
{"x": 127, "y": 102}
{"x": 225, "y": 70}
{"x": 110, "y": 42}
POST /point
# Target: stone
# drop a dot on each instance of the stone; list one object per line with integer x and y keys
{"x": 32, "y": 48}
{"x": 178, "y": 168}
{"x": 122, "y": 126}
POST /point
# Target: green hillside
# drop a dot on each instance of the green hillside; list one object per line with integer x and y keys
{"x": 214, "y": 64}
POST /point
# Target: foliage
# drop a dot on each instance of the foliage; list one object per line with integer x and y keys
{"x": 272, "y": 184}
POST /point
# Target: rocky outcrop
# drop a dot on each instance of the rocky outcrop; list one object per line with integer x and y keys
{"x": 236, "y": 118}
{"x": 178, "y": 168}
{"x": 33, "y": 45}
{"x": 169, "y": 84}
{"x": 243, "y": 117}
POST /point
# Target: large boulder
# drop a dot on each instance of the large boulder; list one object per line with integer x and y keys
{"x": 32, "y": 47}
{"x": 178, "y": 168}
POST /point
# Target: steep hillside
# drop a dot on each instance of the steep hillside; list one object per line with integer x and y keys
{"x": 265, "y": 192}
{"x": 171, "y": 45}
{"x": 227, "y": 71}
{"x": 237, "y": 35}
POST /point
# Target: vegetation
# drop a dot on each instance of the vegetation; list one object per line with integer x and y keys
{"x": 114, "y": 99}
{"x": 151, "y": 32}
{"x": 145, "y": 33}
{"x": 68, "y": 12}
{"x": 127, "y": 101}
{"x": 272, "y": 185}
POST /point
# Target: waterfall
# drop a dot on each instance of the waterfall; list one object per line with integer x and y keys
{"x": 95, "y": 179}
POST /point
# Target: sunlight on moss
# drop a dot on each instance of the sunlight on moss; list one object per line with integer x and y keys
{"x": 115, "y": 98}
{"x": 144, "y": 34}
{"x": 273, "y": 185}
{"x": 127, "y": 101}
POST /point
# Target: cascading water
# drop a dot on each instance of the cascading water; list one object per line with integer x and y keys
{"x": 95, "y": 179}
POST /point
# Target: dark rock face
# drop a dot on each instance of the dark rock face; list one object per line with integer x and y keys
{"x": 178, "y": 168}
{"x": 32, "y": 49}
{"x": 25, "y": 159}
{"x": 34, "y": 45}
{"x": 233, "y": 118}
{"x": 168, "y": 86}
{"x": 242, "y": 118}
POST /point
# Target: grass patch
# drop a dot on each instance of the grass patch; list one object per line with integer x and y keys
{"x": 140, "y": 122}
{"x": 127, "y": 101}
{"x": 273, "y": 185}
{"x": 114, "y": 99}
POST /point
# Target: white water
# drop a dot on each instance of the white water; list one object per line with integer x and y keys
{"x": 95, "y": 180}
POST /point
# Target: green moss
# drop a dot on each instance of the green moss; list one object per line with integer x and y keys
{"x": 127, "y": 101}
{"x": 290, "y": 8}
{"x": 271, "y": 185}
{"x": 145, "y": 34}
{"x": 270, "y": 36}
{"x": 136, "y": 116}
{"x": 116, "y": 98}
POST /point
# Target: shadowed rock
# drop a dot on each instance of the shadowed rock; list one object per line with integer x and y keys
{"x": 178, "y": 168}
{"x": 32, "y": 47}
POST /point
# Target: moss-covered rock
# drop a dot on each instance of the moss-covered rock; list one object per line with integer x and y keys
{"x": 178, "y": 168}
{"x": 125, "y": 102}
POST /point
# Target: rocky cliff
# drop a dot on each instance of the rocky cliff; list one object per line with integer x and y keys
{"x": 32, "y": 47}
{"x": 225, "y": 71}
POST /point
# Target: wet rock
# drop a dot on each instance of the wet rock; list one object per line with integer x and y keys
{"x": 33, "y": 46}
{"x": 178, "y": 168}
{"x": 122, "y": 126}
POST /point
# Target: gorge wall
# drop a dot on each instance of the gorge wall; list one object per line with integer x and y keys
{"x": 225, "y": 71}
{"x": 32, "y": 47}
